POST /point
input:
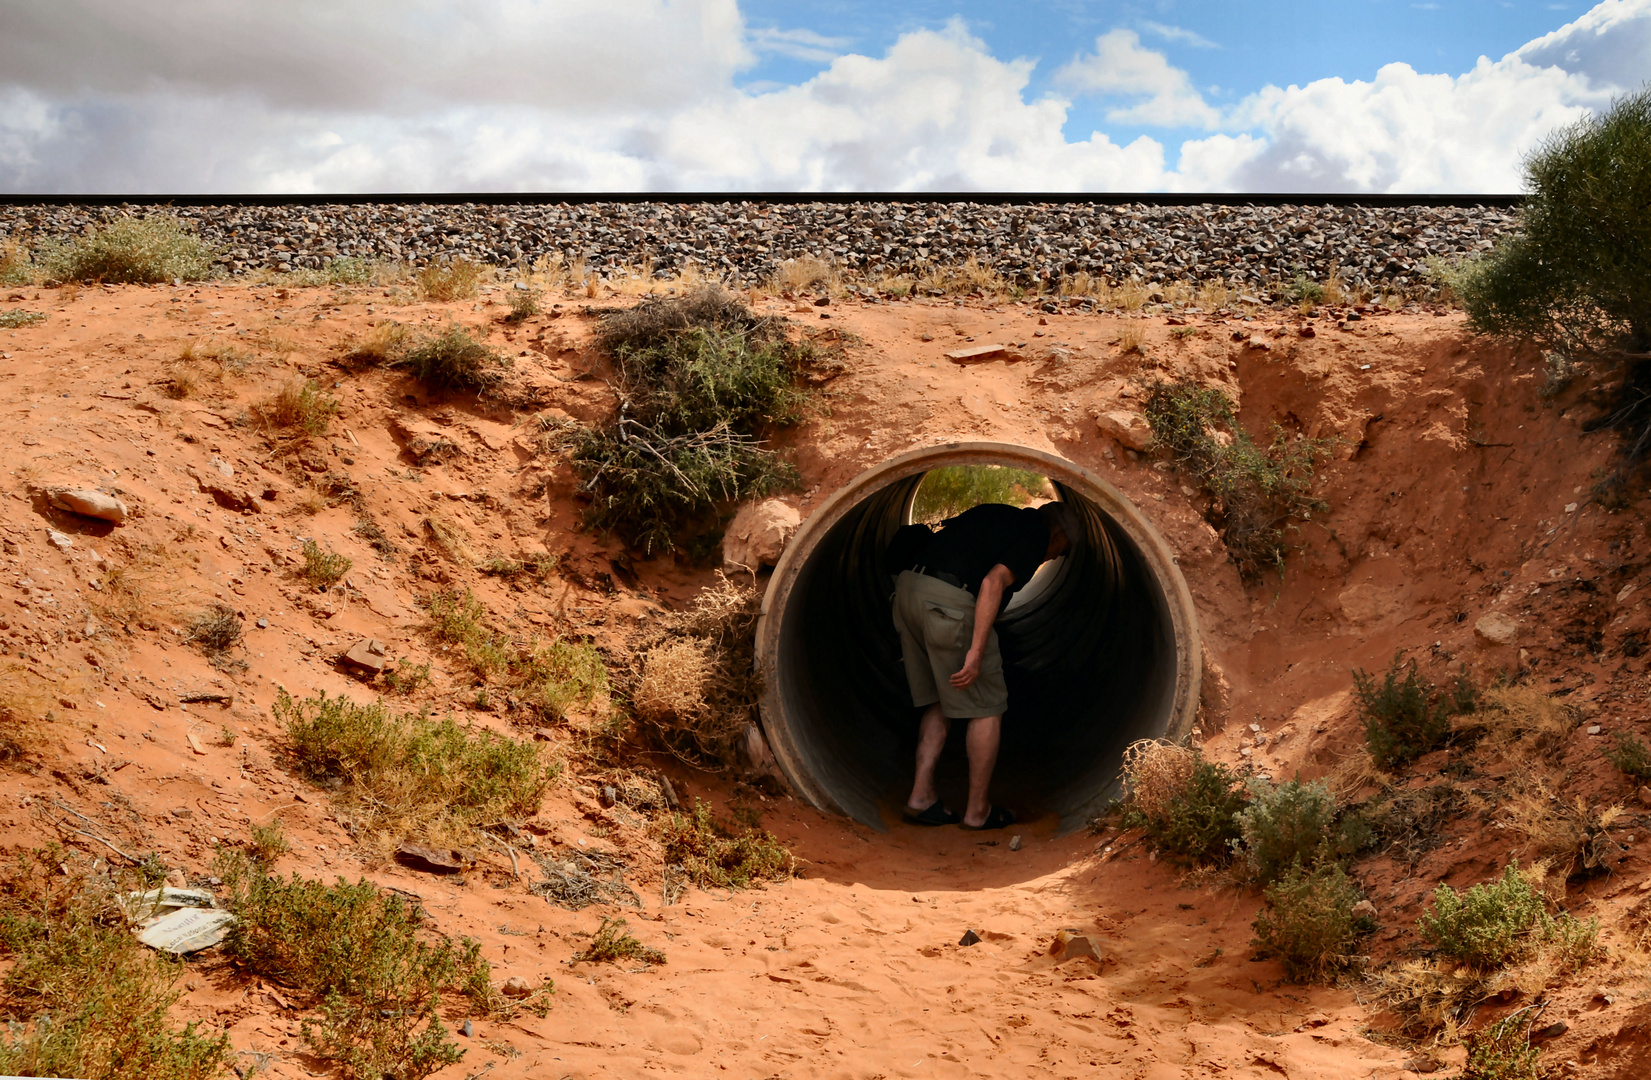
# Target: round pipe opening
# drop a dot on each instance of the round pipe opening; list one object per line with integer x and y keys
{"x": 1100, "y": 649}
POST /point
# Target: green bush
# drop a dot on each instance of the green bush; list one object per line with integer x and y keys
{"x": 1199, "y": 823}
{"x": 613, "y": 943}
{"x": 357, "y": 953}
{"x": 700, "y": 380}
{"x": 715, "y": 856}
{"x": 1289, "y": 823}
{"x": 1257, "y": 493}
{"x": 1631, "y": 756}
{"x": 946, "y": 493}
{"x": 1502, "y": 1051}
{"x": 1407, "y": 717}
{"x": 137, "y": 251}
{"x": 1492, "y": 925}
{"x": 98, "y": 1000}
{"x": 324, "y": 569}
{"x": 15, "y": 318}
{"x": 1305, "y": 290}
{"x": 1307, "y": 922}
{"x": 455, "y": 360}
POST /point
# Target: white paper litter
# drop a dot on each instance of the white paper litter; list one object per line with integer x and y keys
{"x": 186, "y": 930}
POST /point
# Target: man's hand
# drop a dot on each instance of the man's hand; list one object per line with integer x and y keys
{"x": 996, "y": 581}
{"x": 969, "y": 672}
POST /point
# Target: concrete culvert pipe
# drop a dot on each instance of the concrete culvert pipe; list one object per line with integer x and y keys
{"x": 1099, "y": 650}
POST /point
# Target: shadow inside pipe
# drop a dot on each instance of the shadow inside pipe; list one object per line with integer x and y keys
{"x": 1090, "y": 662}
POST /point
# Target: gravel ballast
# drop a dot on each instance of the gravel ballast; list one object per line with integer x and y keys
{"x": 745, "y": 242}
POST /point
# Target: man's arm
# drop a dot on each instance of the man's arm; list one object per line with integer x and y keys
{"x": 997, "y": 579}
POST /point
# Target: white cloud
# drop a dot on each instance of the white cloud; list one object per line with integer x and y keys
{"x": 1179, "y": 35}
{"x": 1120, "y": 67}
{"x": 202, "y": 95}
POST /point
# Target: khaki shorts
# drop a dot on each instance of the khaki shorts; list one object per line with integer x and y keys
{"x": 936, "y": 623}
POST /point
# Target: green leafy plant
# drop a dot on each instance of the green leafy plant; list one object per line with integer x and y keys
{"x": 1287, "y": 824}
{"x": 322, "y": 568}
{"x": 712, "y": 855}
{"x": 1631, "y": 756}
{"x": 139, "y": 251}
{"x": 268, "y": 841}
{"x": 300, "y": 406}
{"x": 1308, "y": 922}
{"x": 524, "y": 304}
{"x": 16, "y": 318}
{"x": 1495, "y": 924}
{"x": 99, "y": 1002}
{"x": 947, "y": 492}
{"x": 1257, "y": 493}
{"x": 1407, "y": 717}
{"x": 701, "y": 380}
{"x": 1188, "y": 806}
{"x": 1502, "y": 1051}
{"x": 1304, "y": 290}
{"x": 453, "y": 359}
{"x": 612, "y": 943}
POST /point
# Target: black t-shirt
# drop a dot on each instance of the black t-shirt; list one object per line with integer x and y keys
{"x": 980, "y": 538}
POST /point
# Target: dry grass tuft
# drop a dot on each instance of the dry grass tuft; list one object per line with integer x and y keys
{"x": 386, "y": 344}
{"x": 299, "y": 406}
{"x": 675, "y": 679}
{"x": 795, "y": 275}
{"x": 1156, "y": 774}
{"x": 1524, "y": 724}
{"x": 714, "y": 855}
{"x": 143, "y": 589}
{"x": 613, "y": 943}
{"x": 1572, "y": 837}
{"x": 1130, "y": 337}
{"x": 1355, "y": 774}
{"x": 446, "y": 282}
{"x": 215, "y": 630}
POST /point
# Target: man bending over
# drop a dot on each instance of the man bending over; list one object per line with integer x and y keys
{"x": 944, "y": 608}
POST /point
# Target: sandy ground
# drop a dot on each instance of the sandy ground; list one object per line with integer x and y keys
{"x": 1456, "y": 491}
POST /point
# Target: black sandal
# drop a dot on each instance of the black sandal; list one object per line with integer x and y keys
{"x": 999, "y": 818}
{"x": 934, "y": 815}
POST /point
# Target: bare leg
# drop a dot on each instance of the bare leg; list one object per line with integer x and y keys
{"x": 931, "y": 739}
{"x": 984, "y": 732}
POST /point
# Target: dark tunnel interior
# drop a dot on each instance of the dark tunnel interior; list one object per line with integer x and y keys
{"x": 1089, "y": 655}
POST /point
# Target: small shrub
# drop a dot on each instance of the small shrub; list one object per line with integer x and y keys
{"x": 386, "y": 345}
{"x": 1304, "y": 290}
{"x": 1188, "y": 805}
{"x": 1502, "y": 1051}
{"x": 454, "y": 360}
{"x": 672, "y": 688}
{"x": 557, "y": 675}
{"x": 1308, "y": 923}
{"x": 1493, "y": 925}
{"x": 1285, "y": 824}
{"x": 357, "y": 952}
{"x": 216, "y": 630}
{"x": 613, "y": 943}
{"x": 99, "y": 1001}
{"x": 324, "y": 569}
{"x": 413, "y": 774}
{"x": 947, "y": 492}
{"x": 407, "y": 680}
{"x": 16, "y": 265}
{"x": 182, "y": 383}
{"x": 1129, "y": 339}
{"x": 1569, "y": 835}
{"x": 714, "y": 856}
{"x": 227, "y": 736}
{"x": 1631, "y": 757}
{"x": 300, "y": 405}
{"x": 268, "y": 842}
{"x": 138, "y": 251}
{"x": 1257, "y": 493}
{"x": 1407, "y": 717}
{"x": 698, "y": 688}
{"x": 16, "y": 318}
{"x": 445, "y": 282}
{"x": 524, "y": 304}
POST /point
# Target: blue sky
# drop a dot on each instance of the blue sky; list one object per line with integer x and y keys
{"x": 135, "y": 96}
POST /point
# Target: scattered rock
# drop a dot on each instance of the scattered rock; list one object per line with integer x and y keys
{"x": 1364, "y": 909}
{"x": 1645, "y": 796}
{"x": 423, "y": 441}
{"x": 1552, "y": 1031}
{"x": 1595, "y": 729}
{"x": 430, "y": 860}
{"x": 92, "y": 504}
{"x": 1069, "y": 945}
{"x": 608, "y": 795}
{"x": 1258, "y": 343}
{"x": 61, "y": 541}
{"x": 1129, "y": 428}
{"x": 194, "y": 743}
{"x": 976, "y": 353}
{"x": 467, "y": 1029}
{"x": 367, "y": 655}
{"x": 516, "y": 987}
{"x": 1014, "y": 842}
{"x": 1496, "y": 628}
{"x": 758, "y": 535}
{"x": 227, "y": 495}
{"x": 969, "y": 938}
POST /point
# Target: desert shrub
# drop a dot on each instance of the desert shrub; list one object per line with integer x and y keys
{"x": 215, "y": 630}
{"x": 1411, "y": 822}
{"x": 323, "y": 568}
{"x": 443, "y": 282}
{"x": 612, "y": 943}
{"x": 1407, "y": 717}
{"x": 713, "y": 855}
{"x": 524, "y": 304}
{"x": 1307, "y": 922}
{"x": 700, "y": 380}
{"x": 1631, "y": 756}
{"x": 300, "y": 405}
{"x": 17, "y": 318}
{"x": 1568, "y": 835}
{"x": 357, "y": 953}
{"x": 1495, "y": 924}
{"x": 1521, "y": 722}
{"x": 698, "y": 688}
{"x": 1304, "y": 290}
{"x": 16, "y": 264}
{"x": 386, "y": 344}
{"x": 1288, "y": 823}
{"x": 99, "y": 1000}
{"x": 268, "y": 842}
{"x": 1502, "y": 1051}
{"x": 554, "y": 676}
{"x": 1188, "y": 805}
{"x": 1257, "y": 493}
{"x": 412, "y": 774}
{"x": 139, "y": 251}
{"x": 947, "y": 492}
{"x": 453, "y": 359}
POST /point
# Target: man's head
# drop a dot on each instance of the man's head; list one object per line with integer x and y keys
{"x": 1064, "y": 528}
